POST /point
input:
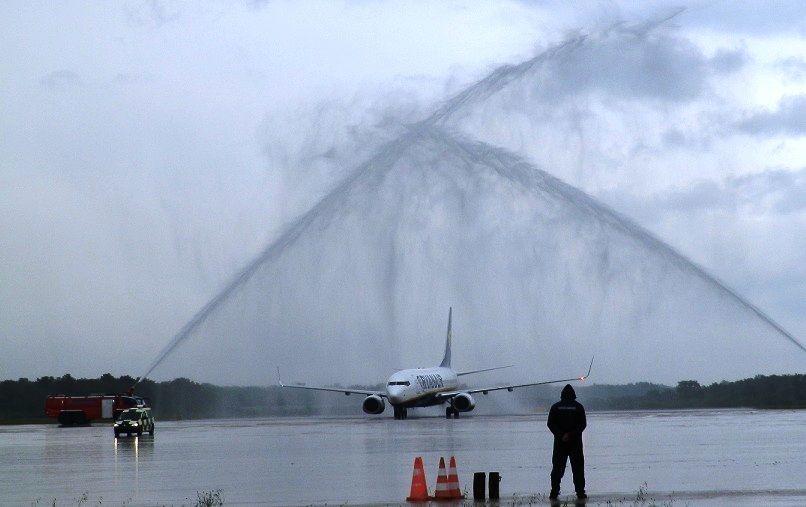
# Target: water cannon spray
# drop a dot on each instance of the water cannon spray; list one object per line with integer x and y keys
{"x": 509, "y": 167}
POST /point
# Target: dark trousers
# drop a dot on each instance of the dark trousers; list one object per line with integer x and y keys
{"x": 562, "y": 452}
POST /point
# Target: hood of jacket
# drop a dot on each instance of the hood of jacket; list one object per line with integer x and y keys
{"x": 568, "y": 393}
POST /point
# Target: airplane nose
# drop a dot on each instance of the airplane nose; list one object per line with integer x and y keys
{"x": 395, "y": 396}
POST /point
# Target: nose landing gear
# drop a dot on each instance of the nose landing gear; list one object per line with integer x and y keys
{"x": 401, "y": 413}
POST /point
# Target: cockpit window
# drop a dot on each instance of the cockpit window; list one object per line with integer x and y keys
{"x": 400, "y": 383}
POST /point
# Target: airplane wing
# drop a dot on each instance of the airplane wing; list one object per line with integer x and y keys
{"x": 511, "y": 387}
{"x": 485, "y": 369}
{"x": 346, "y": 391}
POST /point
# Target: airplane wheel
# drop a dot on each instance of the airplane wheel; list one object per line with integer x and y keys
{"x": 398, "y": 412}
{"x": 404, "y": 414}
{"x": 448, "y": 412}
{"x": 456, "y": 414}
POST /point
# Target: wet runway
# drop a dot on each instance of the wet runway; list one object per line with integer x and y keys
{"x": 730, "y": 457}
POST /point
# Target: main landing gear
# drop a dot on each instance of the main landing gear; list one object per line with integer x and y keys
{"x": 401, "y": 413}
{"x": 450, "y": 411}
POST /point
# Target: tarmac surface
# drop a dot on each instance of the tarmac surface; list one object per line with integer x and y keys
{"x": 726, "y": 457}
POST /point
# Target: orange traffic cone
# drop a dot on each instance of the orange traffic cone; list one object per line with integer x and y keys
{"x": 441, "y": 489}
{"x": 419, "y": 488}
{"x": 453, "y": 481}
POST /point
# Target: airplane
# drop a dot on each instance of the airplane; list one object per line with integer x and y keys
{"x": 425, "y": 387}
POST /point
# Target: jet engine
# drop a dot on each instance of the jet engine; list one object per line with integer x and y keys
{"x": 463, "y": 402}
{"x": 373, "y": 404}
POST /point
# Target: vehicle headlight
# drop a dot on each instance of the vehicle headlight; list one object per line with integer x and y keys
{"x": 134, "y": 424}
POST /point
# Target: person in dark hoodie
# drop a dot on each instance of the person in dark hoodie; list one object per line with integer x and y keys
{"x": 567, "y": 422}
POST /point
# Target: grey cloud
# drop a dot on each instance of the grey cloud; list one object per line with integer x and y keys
{"x": 154, "y": 13}
{"x": 725, "y": 60}
{"x": 699, "y": 195}
{"x": 793, "y": 67}
{"x": 754, "y": 18}
{"x": 790, "y": 118}
{"x": 631, "y": 63}
{"x": 257, "y": 4}
{"x": 621, "y": 64}
{"x": 132, "y": 78}
{"x": 58, "y": 78}
{"x": 675, "y": 138}
{"x": 775, "y": 191}
{"x": 782, "y": 191}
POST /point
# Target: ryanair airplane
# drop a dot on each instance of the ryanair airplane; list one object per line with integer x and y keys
{"x": 425, "y": 387}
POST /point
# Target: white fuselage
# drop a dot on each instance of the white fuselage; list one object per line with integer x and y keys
{"x": 418, "y": 387}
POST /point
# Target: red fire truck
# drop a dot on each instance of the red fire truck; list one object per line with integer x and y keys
{"x": 70, "y": 410}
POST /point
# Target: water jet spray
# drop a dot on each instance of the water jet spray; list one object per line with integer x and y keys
{"x": 478, "y": 161}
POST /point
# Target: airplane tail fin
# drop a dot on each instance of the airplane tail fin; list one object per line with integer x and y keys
{"x": 446, "y": 359}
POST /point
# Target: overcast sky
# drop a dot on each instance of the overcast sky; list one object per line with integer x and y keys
{"x": 148, "y": 150}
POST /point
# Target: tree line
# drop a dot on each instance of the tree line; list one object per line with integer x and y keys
{"x": 23, "y": 400}
{"x": 761, "y": 391}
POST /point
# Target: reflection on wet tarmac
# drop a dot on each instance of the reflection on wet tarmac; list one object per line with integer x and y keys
{"x": 718, "y": 458}
{"x": 127, "y": 451}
